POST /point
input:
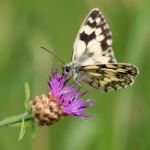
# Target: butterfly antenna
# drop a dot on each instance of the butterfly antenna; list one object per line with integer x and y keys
{"x": 53, "y": 55}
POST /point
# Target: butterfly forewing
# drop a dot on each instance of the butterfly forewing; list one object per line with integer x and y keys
{"x": 93, "y": 42}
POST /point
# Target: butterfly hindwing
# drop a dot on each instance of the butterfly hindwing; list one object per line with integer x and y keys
{"x": 93, "y": 42}
{"x": 109, "y": 77}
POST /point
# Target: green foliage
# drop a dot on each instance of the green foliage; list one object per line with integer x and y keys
{"x": 22, "y": 130}
{"x": 27, "y": 97}
{"x": 121, "y": 120}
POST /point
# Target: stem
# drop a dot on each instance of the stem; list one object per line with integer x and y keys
{"x": 16, "y": 119}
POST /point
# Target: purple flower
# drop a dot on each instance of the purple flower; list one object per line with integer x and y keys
{"x": 67, "y": 96}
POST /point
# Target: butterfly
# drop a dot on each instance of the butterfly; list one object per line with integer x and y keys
{"x": 93, "y": 61}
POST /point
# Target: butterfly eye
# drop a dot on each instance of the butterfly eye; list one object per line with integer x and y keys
{"x": 66, "y": 69}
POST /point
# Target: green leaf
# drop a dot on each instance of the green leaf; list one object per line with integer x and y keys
{"x": 22, "y": 130}
{"x": 27, "y": 97}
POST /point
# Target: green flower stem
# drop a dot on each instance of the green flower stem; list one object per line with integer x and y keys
{"x": 16, "y": 119}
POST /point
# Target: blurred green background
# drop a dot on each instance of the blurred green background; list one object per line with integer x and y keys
{"x": 122, "y": 118}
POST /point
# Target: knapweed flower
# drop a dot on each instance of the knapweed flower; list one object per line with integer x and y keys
{"x": 63, "y": 100}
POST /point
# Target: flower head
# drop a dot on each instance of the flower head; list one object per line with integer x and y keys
{"x": 68, "y": 96}
{"x": 63, "y": 100}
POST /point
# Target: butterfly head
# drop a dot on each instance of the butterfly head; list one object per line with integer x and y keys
{"x": 67, "y": 70}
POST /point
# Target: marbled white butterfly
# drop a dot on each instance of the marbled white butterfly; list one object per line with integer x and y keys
{"x": 93, "y": 60}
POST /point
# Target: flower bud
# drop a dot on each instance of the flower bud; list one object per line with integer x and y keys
{"x": 45, "y": 110}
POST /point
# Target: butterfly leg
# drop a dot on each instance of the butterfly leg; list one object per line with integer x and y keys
{"x": 78, "y": 82}
{"x": 76, "y": 78}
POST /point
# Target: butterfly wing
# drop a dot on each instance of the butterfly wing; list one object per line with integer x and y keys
{"x": 93, "y": 60}
{"x": 93, "y": 42}
{"x": 108, "y": 77}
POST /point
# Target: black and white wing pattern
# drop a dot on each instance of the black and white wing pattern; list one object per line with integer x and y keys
{"x": 108, "y": 77}
{"x": 93, "y": 42}
{"x": 94, "y": 58}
